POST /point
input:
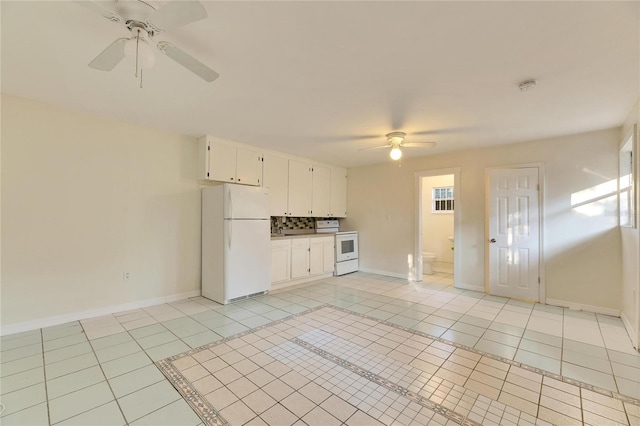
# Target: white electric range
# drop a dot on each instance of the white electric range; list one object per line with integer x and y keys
{"x": 346, "y": 246}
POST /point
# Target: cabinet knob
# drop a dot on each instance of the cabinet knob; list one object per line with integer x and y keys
{"x": 238, "y": 180}
{"x": 231, "y": 178}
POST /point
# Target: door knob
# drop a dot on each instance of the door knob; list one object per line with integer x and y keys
{"x": 493, "y": 240}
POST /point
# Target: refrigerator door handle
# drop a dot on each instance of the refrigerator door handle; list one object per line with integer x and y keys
{"x": 230, "y": 205}
{"x": 230, "y": 224}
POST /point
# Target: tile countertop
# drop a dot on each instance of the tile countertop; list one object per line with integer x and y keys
{"x": 294, "y": 236}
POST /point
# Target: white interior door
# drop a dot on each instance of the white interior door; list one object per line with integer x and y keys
{"x": 514, "y": 233}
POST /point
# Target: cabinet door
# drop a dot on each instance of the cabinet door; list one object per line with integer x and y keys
{"x": 338, "y": 192}
{"x": 248, "y": 166}
{"x": 321, "y": 194}
{"x": 300, "y": 258}
{"x": 315, "y": 257}
{"x": 328, "y": 255}
{"x": 280, "y": 263}
{"x": 275, "y": 176}
{"x": 300, "y": 186}
{"x": 222, "y": 162}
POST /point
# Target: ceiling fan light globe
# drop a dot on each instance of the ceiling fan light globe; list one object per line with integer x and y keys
{"x": 146, "y": 55}
{"x": 395, "y": 153}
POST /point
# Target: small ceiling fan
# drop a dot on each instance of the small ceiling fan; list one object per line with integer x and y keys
{"x": 395, "y": 141}
{"x": 139, "y": 47}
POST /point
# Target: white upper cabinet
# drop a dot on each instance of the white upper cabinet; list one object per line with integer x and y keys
{"x": 275, "y": 176}
{"x": 338, "y": 192}
{"x": 248, "y": 166}
{"x": 222, "y": 162}
{"x": 226, "y": 162}
{"x": 296, "y": 187}
{"x": 321, "y": 194}
{"x": 300, "y": 188}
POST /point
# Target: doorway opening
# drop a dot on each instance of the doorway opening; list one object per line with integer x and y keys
{"x": 437, "y": 240}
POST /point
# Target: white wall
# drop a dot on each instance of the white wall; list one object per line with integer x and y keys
{"x": 582, "y": 252}
{"x": 631, "y": 246}
{"x": 86, "y": 198}
{"x": 437, "y": 227}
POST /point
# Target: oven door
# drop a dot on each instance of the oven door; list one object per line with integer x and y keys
{"x": 346, "y": 247}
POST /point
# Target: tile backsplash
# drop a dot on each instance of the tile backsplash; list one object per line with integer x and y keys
{"x": 281, "y": 222}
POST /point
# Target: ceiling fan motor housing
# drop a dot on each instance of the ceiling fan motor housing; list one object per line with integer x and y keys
{"x": 395, "y": 138}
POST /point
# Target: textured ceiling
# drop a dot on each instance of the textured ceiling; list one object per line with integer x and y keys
{"x": 325, "y": 79}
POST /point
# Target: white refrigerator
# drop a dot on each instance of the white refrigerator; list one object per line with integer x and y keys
{"x": 236, "y": 233}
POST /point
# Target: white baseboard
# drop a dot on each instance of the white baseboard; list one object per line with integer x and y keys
{"x": 463, "y": 286}
{"x": 385, "y": 273}
{"x": 290, "y": 283}
{"x": 633, "y": 334}
{"x": 61, "y": 319}
{"x": 581, "y": 307}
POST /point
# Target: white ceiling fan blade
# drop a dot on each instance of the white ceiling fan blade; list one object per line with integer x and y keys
{"x": 110, "y": 57}
{"x": 177, "y": 13}
{"x": 375, "y": 147}
{"x": 188, "y": 61}
{"x": 97, "y": 8}
{"x": 419, "y": 144}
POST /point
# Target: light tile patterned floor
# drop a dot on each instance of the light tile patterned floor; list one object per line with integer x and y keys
{"x": 434, "y": 341}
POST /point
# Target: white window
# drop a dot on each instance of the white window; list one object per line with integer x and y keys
{"x": 442, "y": 199}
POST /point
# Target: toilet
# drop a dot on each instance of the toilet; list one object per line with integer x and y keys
{"x": 427, "y": 262}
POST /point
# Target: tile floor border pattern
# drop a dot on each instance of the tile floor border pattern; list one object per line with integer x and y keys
{"x": 211, "y": 416}
{"x": 206, "y": 412}
{"x": 438, "y": 408}
{"x": 549, "y": 374}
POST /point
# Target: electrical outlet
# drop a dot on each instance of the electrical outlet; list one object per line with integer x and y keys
{"x": 126, "y": 276}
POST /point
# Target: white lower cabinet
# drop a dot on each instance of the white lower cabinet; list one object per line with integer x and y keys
{"x": 280, "y": 260}
{"x": 315, "y": 257}
{"x": 299, "y": 258}
{"x": 328, "y": 254}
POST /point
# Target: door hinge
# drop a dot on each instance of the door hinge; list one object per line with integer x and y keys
{"x": 207, "y": 174}
{"x": 538, "y": 187}
{"x": 538, "y": 280}
{"x": 208, "y": 148}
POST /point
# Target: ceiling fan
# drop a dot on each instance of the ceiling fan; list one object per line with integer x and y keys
{"x": 395, "y": 141}
{"x": 139, "y": 46}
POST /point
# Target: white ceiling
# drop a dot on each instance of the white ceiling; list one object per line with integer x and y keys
{"x": 325, "y": 79}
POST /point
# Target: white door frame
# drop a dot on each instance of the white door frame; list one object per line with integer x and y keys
{"x": 457, "y": 235}
{"x": 541, "y": 262}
